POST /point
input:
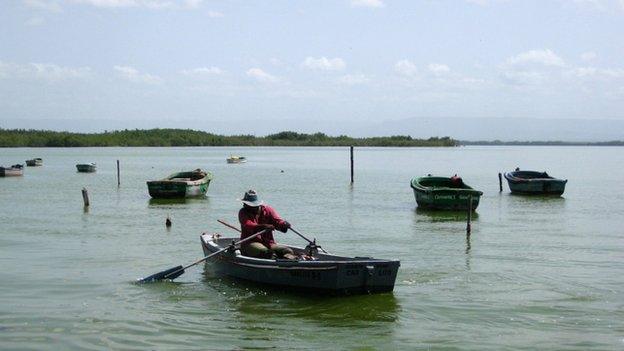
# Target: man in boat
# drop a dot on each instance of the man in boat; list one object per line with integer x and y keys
{"x": 456, "y": 181}
{"x": 256, "y": 216}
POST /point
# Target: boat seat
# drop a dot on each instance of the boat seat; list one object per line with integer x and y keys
{"x": 181, "y": 179}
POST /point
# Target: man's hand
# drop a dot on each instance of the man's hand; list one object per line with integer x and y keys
{"x": 286, "y": 225}
{"x": 269, "y": 227}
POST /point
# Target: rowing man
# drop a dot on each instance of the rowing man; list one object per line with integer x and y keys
{"x": 256, "y": 216}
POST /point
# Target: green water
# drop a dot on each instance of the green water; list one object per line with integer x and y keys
{"x": 537, "y": 273}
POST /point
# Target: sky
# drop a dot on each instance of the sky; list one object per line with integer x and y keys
{"x": 336, "y": 66}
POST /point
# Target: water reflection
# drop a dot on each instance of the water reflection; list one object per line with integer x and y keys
{"x": 176, "y": 201}
{"x": 442, "y": 216}
{"x": 262, "y": 301}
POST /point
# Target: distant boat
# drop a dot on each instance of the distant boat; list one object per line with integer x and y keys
{"x": 180, "y": 185}
{"x": 236, "y": 159}
{"x": 443, "y": 193}
{"x": 326, "y": 273}
{"x": 13, "y": 171}
{"x": 34, "y": 162}
{"x": 86, "y": 167}
{"x": 534, "y": 183}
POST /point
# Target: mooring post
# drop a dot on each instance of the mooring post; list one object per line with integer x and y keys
{"x": 118, "y": 181}
{"x": 351, "y": 148}
{"x": 469, "y": 216}
{"x": 85, "y": 197}
{"x": 500, "y": 183}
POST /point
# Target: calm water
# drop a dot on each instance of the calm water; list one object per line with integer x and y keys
{"x": 537, "y": 273}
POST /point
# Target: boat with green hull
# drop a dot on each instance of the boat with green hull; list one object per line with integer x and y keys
{"x": 86, "y": 167}
{"x": 34, "y": 162}
{"x": 444, "y": 193}
{"x": 534, "y": 183}
{"x": 180, "y": 185}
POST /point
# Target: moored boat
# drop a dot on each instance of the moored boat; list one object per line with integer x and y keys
{"x": 34, "y": 162}
{"x": 86, "y": 167}
{"x": 13, "y": 171}
{"x": 326, "y": 273}
{"x": 534, "y": 183}
{"x": 180, "y": 185}
{"x": 444, "y": 193}
{"x": 236, "y": 159}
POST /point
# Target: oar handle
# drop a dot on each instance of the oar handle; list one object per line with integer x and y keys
{"x": 306, "y": 239}
{"x": 228, "y": 225}
{"x": 301, "y": 235}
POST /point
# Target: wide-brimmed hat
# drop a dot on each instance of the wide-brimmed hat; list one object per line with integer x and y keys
{"x": 251, "y": 199}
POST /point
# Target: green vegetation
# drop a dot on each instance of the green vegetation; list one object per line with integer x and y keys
{"x": 187, "y": 137}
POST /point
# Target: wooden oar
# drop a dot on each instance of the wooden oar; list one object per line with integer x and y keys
{"x": 175, "y": 272}
{"x": 308, "y": 240}
{"x": 296, "y": 232}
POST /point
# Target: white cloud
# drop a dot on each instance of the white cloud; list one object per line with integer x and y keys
{"x": 354, "y": 79}
{"x": 478, "y": 2}
{"x": 261, "y": 75}
{"x": 438, "y": 69}
{"x": 484, "y": 2}
{"x": 596, "y": 73}
{"x": 192, "y": 4}
{"x": 323, "y": 63}
{"x": 43, "y": 71}
{"x": 368, "y": 3}
{"x": 150, "y": 4}
{"x": 541, "y": 57}
{"x": 405, "y": 67}
{"x": 45, "y": 5}
{"x": 589, "y": 55}
{"x": 215, "y": 14}
{"x": 133, "y": 75}
{"x": 203, "y": 71}
{"x": 35, "y": 21}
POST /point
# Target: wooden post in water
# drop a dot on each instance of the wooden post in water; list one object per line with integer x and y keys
{"x": 118, "y": 181}
{"x": 351, "y": 148}
{"x": 85, "y": 197}
{"x": 469, "y": 216}
{"x": 500, "y": 183}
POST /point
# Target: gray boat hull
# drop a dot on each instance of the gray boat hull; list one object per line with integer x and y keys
{"x": 534, "y": 183}
{"x": 328, "y": 274}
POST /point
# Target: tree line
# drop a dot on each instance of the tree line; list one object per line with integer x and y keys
{"x": 188, "y": 137}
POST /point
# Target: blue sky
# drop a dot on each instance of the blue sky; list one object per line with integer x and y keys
{"x": 88, "y": 64}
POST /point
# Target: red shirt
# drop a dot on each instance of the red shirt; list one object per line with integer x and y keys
{"x": 249, "y": 222}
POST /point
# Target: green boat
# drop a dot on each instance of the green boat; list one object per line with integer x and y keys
{"x": 443, "y": 193}
{"x": 180, "y": 185}
{"x": 86, "y": 167}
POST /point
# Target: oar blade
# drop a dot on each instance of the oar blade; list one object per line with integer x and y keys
{"x": 169, "y": 274}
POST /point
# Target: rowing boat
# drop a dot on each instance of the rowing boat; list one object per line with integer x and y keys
{"x": 326, "y": 273}
{"x": 34, "y": 162}
{"x": 236, "y": 159}
{"x": 443, "y": 193}
{"x": 13, "y": 171}
{"x": 180, "y": 185}
{"x": 534, "y": 183}
{"x": 86, "y": 167}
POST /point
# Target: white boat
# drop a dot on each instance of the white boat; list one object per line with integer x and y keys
{"x": 236, "y": 159}
{"x": 13, "y": 171}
